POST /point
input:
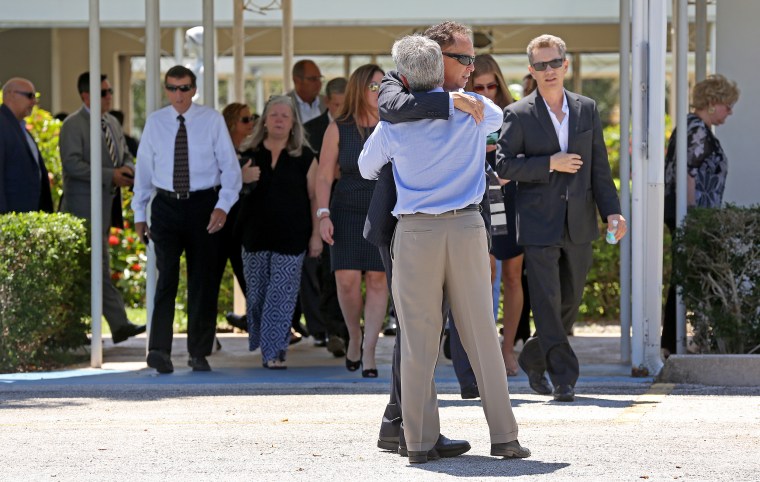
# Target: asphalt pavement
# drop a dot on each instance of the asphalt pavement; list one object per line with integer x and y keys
{"x": 317, "y": 421}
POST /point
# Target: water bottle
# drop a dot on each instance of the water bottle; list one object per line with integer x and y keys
{"x": 611, "y": 232}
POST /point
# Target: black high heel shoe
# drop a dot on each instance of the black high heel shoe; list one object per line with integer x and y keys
{"x": 352, "y": 366}
{"x": 369, "y": 373}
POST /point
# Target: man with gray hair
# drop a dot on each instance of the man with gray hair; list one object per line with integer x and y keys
{"x": 440, "y": 243}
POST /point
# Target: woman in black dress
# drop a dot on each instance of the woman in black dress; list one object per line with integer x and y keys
{"x": 341, "y": 219}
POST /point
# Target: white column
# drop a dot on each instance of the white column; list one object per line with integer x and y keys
{"x": 649, "y": 34}
{"x": 96, "y": 191}
{"x": 625, "y": 178}
{"x": 238, "y": 52}
{"x": 682, "y": 108}
{"x": 152, "y": 103}
{"x": 179, "y": 46}
{"x": 700, "y": 41}
{"x": 209, "y": 55}
{"x": 287, "y": 44}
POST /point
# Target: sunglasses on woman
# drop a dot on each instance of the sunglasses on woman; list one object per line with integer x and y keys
{"x": 246, "y": 120}
{"x": 485, "y": 87}
{"x": 374, "y": 86}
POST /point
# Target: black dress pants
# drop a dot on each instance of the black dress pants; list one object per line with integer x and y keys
{"x": 179, "y": 225}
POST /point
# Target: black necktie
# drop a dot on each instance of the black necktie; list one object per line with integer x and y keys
{"x": 181, "y": 167}
{"x": 109, "y": 142}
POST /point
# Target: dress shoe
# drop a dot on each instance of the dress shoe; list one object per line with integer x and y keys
{"x": 237, "y": 321}
{"x": 510, "y": 450}
{"x": 199, "y": 364}
{"x": 422, "y": 457}
{"x": 390, "y": 429}
{"x": 564, "y": 393}
{"x": 392, "y": 326}
{"x": 470, "y": 392}
{"x": 444, "y": 447}
{"x": 126, "y": 331}
{"x": 161, "y": 361}
{"x": 536, "y": 379}
{"x": 320, "y": 340}
{"x": 337, "y": 346}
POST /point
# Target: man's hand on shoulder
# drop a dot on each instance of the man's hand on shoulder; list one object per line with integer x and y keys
{"x": 469, "y": 105}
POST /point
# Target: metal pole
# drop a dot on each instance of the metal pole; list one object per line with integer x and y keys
{"x": 625, "y": 178}
{"x": 209, "y": 55}
{"x": 287, "y": 44}
{"x": 152, "y": 103}
{"x": 179, "y": 46}
{"x": 655, "y": 188}
{"x": 639, "y": 94}
{"x": 96, "y": 191}
{"x": 700, "y": 43}
{"x": 238, "y": 51}
{"x": 682, "y": 91}
{"x": 673, "y": 61}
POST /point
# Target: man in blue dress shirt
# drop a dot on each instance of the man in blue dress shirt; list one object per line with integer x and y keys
{"x": 440, "y": 243}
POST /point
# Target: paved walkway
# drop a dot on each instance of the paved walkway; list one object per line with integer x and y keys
{"x": 316, "y": 421}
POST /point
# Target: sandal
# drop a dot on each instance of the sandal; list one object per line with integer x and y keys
{"x": 352, "y": 366}
{"x": 369, "y": 373}
{"x": 275, "y": 365}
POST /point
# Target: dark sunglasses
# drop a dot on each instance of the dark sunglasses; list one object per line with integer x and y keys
{"x": 461, "y": 58}
{"x": 28, "y": 95}
{"x": 483, "y": 88}
{"x": 373, "y": 86}
{"x": 181, "y": 88}
{"x": 554, "y": 63}
{"x": 105, "y": 92}
{"x": 246, "y": 120}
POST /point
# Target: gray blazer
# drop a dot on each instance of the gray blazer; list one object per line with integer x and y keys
{"x": 74, "y": 145}
{"x": 292, "y": 95}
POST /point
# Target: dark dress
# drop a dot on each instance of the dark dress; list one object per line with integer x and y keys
{"x": 349, "y": 206}
{"x": 505, "y": 246}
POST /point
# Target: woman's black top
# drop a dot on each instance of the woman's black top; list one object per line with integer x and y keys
{"x": 276, "y": 215}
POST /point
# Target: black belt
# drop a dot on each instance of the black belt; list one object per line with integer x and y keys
{"x": 471, "y": 207}
{"x": 185, "y": 195}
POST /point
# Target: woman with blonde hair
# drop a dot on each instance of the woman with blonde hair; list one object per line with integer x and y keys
{"x": 278, "y": 228}
{"x": 488, "y": 81}
{"x": 341, "y": 218}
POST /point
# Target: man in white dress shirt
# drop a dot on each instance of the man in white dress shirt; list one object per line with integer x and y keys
{"x": 307, "y": 82}
{"x": 187, "y": 159}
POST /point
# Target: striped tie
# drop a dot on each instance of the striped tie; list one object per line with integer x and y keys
{"x": 109, "y": 142}
{"x": 181, "y": 166}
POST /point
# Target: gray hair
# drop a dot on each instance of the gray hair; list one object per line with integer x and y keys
{"x": 419, "y": 59}
{"x": 546, "y": 41}
{"x": 336, "y": 86}
{"x": 295, "y": 140}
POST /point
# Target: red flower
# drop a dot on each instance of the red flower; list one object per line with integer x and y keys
{"x": 113, "y": 240}
{"x": 116, "y": 275}
{"x": 130, "y": 239}
{"x": 126, "y": 224}
{"x": 135, "y": 267}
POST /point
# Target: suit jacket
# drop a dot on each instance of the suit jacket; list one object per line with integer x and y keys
{"x": 24, "y": 183}
{"x": 315, "y": 132}
{"x": 544, "y": 198}
{"x": 397, "y": 105}
{"x": 75, "y": 159}
{"x": 292, "y": 95}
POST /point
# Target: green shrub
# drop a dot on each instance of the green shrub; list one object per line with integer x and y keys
{"x": 44, "y": 288}
{"x": 716, "y": 262}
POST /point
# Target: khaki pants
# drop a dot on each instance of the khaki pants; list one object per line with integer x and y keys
{"x": 432, "y": 254}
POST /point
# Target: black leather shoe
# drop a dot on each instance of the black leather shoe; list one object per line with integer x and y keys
{"x": 422, "y": 457}
{"x": 126, "y": 331}
{"x": 390, "y": 429}
{"x": 161, "y": 361}
{"x": 392, "y": 326}
{"x": 564, "y": 393}
{"x": 320, "y": 340}
{"x": 510, "y": 450}
{"x": 537, "y": 380}
{"x": 337, "y": 346}
{"x": 470, "y": 392}
{"x": 237, "y": 321}
{"x": 444, "y": 447}
{"x": 199, "y": 364}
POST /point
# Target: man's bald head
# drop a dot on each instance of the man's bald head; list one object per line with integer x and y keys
{"x": 19, "y": 96}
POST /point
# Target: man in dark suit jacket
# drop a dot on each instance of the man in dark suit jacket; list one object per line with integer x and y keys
{"x": 552, "y": 145}
{"x": 396, "y": 105}
{"x": 24, "y": 183}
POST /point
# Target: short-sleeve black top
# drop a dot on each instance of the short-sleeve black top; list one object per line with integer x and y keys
{"x": 276, "y": 215}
